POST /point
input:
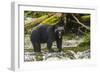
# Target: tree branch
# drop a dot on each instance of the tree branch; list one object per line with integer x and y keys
{"x": 88, "y": 28}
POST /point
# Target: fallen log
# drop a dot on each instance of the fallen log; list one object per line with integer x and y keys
{"x": 35, "y": 22}
{"x": 53, "y": 20}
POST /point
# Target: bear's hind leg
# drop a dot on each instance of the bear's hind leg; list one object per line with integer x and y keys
{"x": 37, "y": 47}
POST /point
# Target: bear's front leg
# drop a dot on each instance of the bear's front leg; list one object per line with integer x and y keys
{"x": 49, "y": 45}
{"x": 59, "y": 44}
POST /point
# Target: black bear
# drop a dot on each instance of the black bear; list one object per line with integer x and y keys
{"x": 47, "y": 34}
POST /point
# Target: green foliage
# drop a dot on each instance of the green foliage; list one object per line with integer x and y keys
{"x": 34, "y": 14}
{"x": 87, "y": 37}
{"x": 85, "y": 18}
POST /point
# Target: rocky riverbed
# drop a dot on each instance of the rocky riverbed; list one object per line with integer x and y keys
{"x": 45, "y": 56}
{"x": 69, "y": 55}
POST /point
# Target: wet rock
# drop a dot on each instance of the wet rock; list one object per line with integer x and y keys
{"x": 84, "y": 55}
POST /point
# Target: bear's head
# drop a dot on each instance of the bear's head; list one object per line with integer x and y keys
{"x": 59, "y": 31}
